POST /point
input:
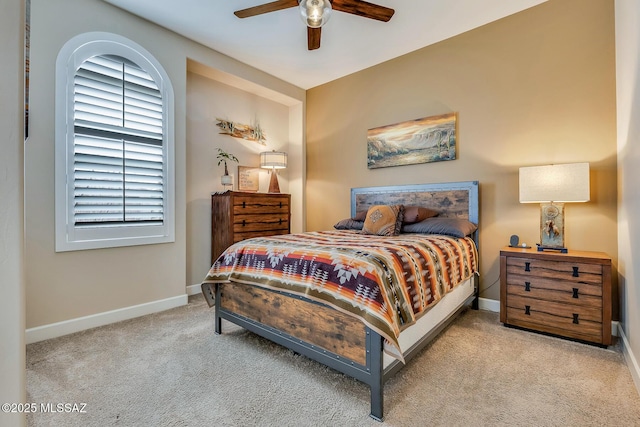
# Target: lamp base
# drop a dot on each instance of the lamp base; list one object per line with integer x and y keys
{"x": 552, "y": 225}
{"x": 274, "y": 187}
{"x": 552, "y": 248}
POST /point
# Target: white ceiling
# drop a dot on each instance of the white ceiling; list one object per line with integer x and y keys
{"x": 276, "y": 42}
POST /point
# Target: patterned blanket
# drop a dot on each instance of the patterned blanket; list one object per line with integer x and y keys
{"x": 387, "y": 282}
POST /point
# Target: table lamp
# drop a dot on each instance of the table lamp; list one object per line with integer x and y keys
{"x": 552, "y": 186}
{"x": 273, "y": 160}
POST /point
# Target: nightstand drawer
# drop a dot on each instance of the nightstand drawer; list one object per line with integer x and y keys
{"x": 577, "y": 322}
{"x": 574, "y": 272}
{"x": 568, "y": 292}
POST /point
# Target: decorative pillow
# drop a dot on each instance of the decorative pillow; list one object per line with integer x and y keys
{"x": 383, "y": 220}
{"x": 413, "y": 214}
{"x": 349, "y": 224}
{"x": 451, "y": 226}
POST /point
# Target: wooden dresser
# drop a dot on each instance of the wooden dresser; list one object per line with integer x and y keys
{"x": 562, "y": 294}
{"x": 236, "y": 216}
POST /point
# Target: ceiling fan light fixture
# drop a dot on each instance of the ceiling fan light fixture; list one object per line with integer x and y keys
{"x": 315, "y": 13}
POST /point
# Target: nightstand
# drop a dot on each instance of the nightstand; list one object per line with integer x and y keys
{"x": 568, "y": 294}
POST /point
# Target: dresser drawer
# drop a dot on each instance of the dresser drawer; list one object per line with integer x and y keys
{"x": 237, "y": 237}
{"x": 246, "y": 205}
{"x": 269, "y": 221}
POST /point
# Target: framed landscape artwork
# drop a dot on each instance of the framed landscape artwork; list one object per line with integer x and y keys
{"x": 430, "y": 139}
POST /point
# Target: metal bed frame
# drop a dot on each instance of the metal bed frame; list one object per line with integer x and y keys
{"x": 372, "y": 372}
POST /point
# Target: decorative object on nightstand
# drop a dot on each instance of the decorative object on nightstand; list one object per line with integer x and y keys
{"x": 273, "y": 160}
{"x": 552, "y": 186}
{"x": 236, "y": 216}
{"x": 563, "y": 294}
{"x": 224, "y": 157}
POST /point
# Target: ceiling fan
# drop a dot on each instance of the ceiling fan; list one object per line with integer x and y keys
{"x": 315, "y": 13}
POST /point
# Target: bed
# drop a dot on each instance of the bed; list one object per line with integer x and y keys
{"x": 338, "y": 316}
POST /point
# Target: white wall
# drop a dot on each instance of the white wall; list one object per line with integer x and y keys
{"x": 628, "y": 111}
{"x": 208, "y": 99}
{"x": 73, "y": 285}
{"x": 12, "y": 307}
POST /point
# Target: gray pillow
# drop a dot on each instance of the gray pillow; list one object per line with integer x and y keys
{"x": 450, "y": 226}
{"x": 349, "y": 224}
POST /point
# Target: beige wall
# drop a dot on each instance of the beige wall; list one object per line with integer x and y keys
{"x": 208, "y": 99}
{"x": 628, "y": 95}
{"x": 534, "y": 88}
{"x": 12, "y": 306}
{"x": 63, "y": 286}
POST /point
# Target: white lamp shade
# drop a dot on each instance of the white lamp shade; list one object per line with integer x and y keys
{"x": 273, "y": 160}
{"x": 555, "y": 183}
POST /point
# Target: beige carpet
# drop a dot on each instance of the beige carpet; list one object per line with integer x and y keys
{"x": 169, "y": 369}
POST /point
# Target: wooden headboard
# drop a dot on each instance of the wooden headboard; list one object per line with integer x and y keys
{"x": 450, "y": 199}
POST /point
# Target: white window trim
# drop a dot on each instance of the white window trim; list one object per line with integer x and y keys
{"x": 70, "y": 57}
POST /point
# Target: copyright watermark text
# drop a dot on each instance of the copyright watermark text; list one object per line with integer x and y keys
{"x": 25, "y": 408}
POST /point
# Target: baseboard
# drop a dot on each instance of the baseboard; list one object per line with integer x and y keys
{"x": 194, "y": 289}
{"x": 494, "y": 305}
{"x": 489, "y": 305}
{"x": 54, "y": 330}
{"x": 632, "y": 361}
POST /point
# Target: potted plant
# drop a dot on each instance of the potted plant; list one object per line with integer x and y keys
{"x": 224, "y": 157}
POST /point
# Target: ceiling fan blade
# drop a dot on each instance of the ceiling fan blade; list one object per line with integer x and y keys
{"x": 364, "y": 9}
{"x": 313, "y": 38}
{"x": 266, "y": 8}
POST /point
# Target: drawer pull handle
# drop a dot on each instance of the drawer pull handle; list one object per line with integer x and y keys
{"x": 575, "y": 272}
{"x": 527, "y": 286}
{"x": 244, "y": 222}
{"x": 527, "y": 310}
{"x": 244, "y": 205}
{"x": 575, "y": 293}
{"x": 575, "y": 319}
{"x": 527, "y": 266}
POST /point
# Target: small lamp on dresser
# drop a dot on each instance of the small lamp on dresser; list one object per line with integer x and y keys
{"x": 273, "y": 160}
{"x": 552, "y": 186}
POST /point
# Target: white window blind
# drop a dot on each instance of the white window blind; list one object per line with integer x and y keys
{"x": 118, "y": 173}
{"x": 114, "y": 156}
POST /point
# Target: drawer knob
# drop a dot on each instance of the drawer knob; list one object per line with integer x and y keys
{"x": 527, "y": 286}
{"x": 527, "y": 266}
{"x": 575, "y": 293}
{"x": 575, "y": 319}
{"x": 575, "y": 272}
{"x": 244, "y": 205}
{"x": 244, "y": 222}
{"x": 527, "y": 310}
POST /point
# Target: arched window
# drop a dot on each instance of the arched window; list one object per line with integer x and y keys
{"x": 114, "y": 145}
